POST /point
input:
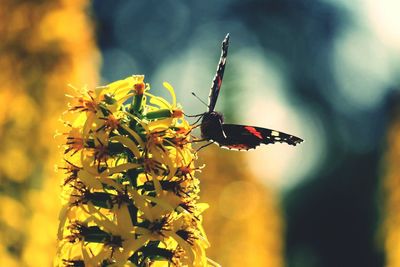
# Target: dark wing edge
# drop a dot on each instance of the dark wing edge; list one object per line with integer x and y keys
{"x": 254, "y": 136}
{"x": 237, "y": 138}
{"x": 217, "y": 81}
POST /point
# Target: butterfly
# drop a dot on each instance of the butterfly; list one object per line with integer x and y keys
{"x": 234, "y": 136}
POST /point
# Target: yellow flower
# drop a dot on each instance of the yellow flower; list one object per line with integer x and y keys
{"x": 130, "y": 192}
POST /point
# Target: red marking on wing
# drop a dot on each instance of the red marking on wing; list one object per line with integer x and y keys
{"x": 219, "y": 83}
{"x": 238, "y": 146}
{"x": 253, "y": 131}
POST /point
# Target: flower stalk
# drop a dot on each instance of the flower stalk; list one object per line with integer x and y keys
{"x": 130, "y": 195}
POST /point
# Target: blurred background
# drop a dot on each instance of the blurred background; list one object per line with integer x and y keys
{"x": 326, "y": 71}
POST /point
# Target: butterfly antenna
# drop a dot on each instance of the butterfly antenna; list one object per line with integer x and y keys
{"x": 199, "y": 99}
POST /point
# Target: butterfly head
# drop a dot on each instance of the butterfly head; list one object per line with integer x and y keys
{"x": 211, "y": 122}
{"x": 212, "y": 116}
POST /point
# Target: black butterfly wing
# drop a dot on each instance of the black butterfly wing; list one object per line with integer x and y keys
{"x": 217, "y": 81}
{"x": 244, "y": 137}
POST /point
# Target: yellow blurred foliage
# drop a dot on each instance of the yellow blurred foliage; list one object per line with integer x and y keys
{"x": 243, "y": 222}
{"x": 12, "y": 212}
{"x": 391, "y": 228}
{"x": 43, "y": 46}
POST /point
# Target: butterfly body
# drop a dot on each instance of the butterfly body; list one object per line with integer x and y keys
{"x": 211, "y": 126}
{"x": 234, "y": 136}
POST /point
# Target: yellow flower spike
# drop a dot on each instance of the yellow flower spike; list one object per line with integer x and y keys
{"x": 158, "y": 101}
{"x": 202, "y": 207}
{"x": 159, "y": 125}
{"x": 78, "y": 213}
{"x": 166, "y": 205}
{"x": 128, "y": 143}
{"x": 141, "y": 203}
{"x": 112, "y": 183}
{"x": 131, "y": 245}
{"x": 143, "y": 123}
{"x": 62, "y": 218}
{"x": 88, "y": 257}
{"x": 212, "y": 263}
{"x": 120, "y": 168}
{"x": 73, "y": 251}
{"x": 100, "y": 220}
{"x": 131, "y": 195}
{"x": 202, "y": 260}
{"x": 123, "y": 218}
{"x": 162, "y": 156}
{"x": 89, "y": 180}
{"x": 87, "y": 162}
{"x": 134, "y": 135}
{"x": 185, "y": 245}
{"x": 170, "y": 89}
{"x": 157, "y": 185}
{"x": 119, "y": 89}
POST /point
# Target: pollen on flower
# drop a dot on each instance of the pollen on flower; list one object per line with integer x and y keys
{"x": 111, "y": 123}
{"x": 130, "y": 191}
{"x": 75, "y": 141}
{"x": 72, "y": 171}
{"x": 177, "y": 113}
{"x": 139, "y": 88}
{"x": 86, "y": 102}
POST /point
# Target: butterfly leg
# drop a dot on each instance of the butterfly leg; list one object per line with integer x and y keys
{"x": 203, "y": 146}
{"x": 193, "y": 116}
{"x": 198, "y": 140}
{"x": 197, "y": 121}
{"x": 195, "y": 126}
{"x": 190, "y": 131}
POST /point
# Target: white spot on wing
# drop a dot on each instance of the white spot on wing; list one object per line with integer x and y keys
{"x": 274, "y": 133}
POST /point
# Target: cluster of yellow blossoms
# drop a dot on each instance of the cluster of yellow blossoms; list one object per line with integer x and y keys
{"x": 130, "y": 195}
